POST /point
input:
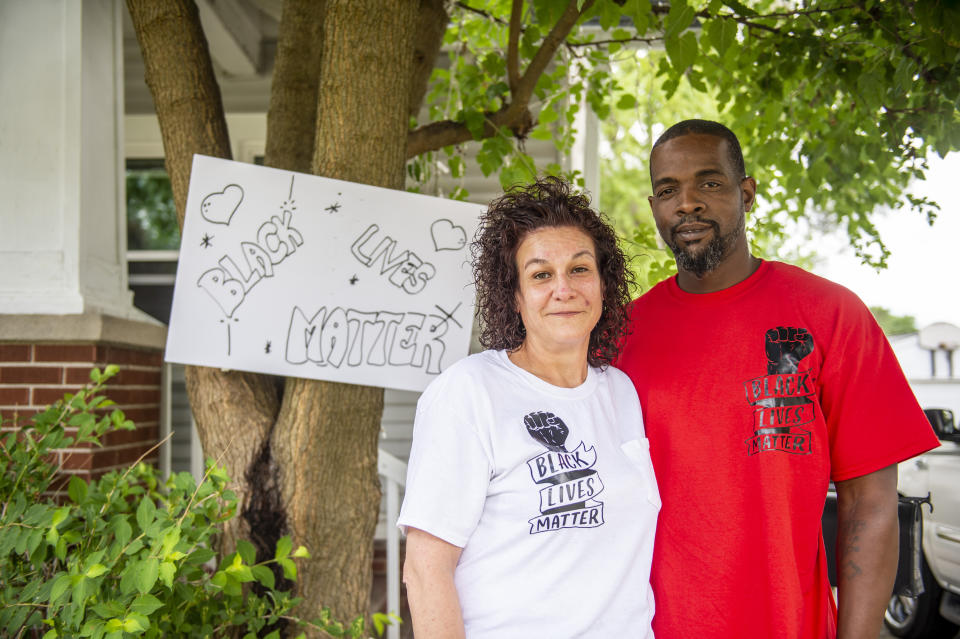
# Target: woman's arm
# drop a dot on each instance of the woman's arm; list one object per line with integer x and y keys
{"x": 431, "y": 593}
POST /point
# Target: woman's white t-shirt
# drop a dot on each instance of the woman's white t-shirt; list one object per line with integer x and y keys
{"x": 549, "y": 491}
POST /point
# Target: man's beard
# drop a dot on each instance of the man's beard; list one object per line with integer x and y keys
{"x": 713, "y": 255}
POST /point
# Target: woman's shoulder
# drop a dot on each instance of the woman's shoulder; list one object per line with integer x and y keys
{"x": 619, "y": 382}
{"x": 463, "y": 379}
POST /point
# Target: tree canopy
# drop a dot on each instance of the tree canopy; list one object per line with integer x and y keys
{"x": 894, "y": 324}
{"x": 838, "y": 103}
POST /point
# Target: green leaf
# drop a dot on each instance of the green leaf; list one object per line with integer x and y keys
{"x": 301, "y": 553}
{"x": 456, "y": 166}
{"x": 108, "y": 609}
{"x": 247, "y": 551}
{"x": 171, "y": 537}
{"x": 200, "y": 556}
{"x": 722, "y": 34}
{"x": 284, "y": 546}
{"x": 679, "y": 18}
{"x": 122, "y": 530}
{"x": 682, "y": 51}
{"x": 289, "y": 568}
{"x": 132, "y": 624}
{"x": 134, "y": 547}
{"x": 547, "y": 114}
{"x": 232, "y": 587}
{"x": 475, "y": 123}
{"x": 146, "y": 512}
{"x": 145, "y": 604}
{"x": 77, "y": 489}
{"x": 147, "y": 573}
{"x": 95, "y": 571}
{"x": 60, "y": 585}
{"x": 167, "y": 571}
{"x": 128, "y": 578}
{"x": 59, "y": 515}
{"x": 264, "y": 575}
{"x": 241, "y": 572}
{"x": 740, "y": 8}
{"x": 626, "y": 101}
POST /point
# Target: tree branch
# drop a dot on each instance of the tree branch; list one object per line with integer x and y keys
{"x": 594, "y": 43}
{"x": 547, "y": 50}
{"x": 480, "y": 12}
{"x": 513, "y": 44}
{"x": 515, "y": 115}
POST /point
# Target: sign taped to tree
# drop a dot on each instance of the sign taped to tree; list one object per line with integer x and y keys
{"x": 303, "y": 276}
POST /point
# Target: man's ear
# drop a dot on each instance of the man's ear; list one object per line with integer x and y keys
{"x": 650, "y": 201}
{"x": 748, "y": 187}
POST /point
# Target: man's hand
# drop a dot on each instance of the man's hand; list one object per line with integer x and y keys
{"x": 867, "y": 549}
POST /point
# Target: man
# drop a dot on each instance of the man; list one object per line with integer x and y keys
{"x": 760, "y": 383}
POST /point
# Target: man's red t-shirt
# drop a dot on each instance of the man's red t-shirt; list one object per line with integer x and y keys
{"x": 754, "y": 399}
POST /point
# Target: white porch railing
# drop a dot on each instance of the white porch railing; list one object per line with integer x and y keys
{"x": 393, "y": 473}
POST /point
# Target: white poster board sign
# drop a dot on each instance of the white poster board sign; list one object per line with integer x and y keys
{"x": 304, "y": 276}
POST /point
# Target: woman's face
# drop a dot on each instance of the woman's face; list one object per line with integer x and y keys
{"x": 559, "y": 295}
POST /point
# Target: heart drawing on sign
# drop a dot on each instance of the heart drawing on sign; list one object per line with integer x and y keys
{"x": 220, "y": 207}
{"x": 447, "y": 236}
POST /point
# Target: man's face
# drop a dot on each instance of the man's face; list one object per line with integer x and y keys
{"x": 699, "y": 201}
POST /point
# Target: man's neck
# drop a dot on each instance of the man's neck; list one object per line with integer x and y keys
{"x": 733, "y": 270}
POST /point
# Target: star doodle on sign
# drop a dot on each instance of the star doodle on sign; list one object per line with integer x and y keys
{"x": 266, "y": 349}
{"x": 333, "y": 208}
{"x": 206, "y": 240}
{"x": 353, "y": 280}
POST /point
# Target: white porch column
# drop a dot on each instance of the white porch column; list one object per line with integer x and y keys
{"x": 62, "y": 221}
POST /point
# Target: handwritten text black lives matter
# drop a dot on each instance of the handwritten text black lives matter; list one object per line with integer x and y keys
{"x": 336, "y": 335}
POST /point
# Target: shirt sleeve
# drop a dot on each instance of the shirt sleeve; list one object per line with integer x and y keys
{"x": 447, "y": 475}
{"x": 873, "y": 418}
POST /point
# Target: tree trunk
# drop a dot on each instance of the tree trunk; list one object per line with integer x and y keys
{"x": 431, "y": 25}
{"x": 234, "y": 411}
{"x": 292, "y": 117}
{"x": 325, "y": 439}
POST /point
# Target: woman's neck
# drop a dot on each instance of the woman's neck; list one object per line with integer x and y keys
{"x": 566, "y": 369}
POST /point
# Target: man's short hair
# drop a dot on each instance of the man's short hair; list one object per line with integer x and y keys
{"x": 705, "y": 127}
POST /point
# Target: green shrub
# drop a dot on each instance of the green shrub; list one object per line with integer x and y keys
{"x": 124, "y": 556}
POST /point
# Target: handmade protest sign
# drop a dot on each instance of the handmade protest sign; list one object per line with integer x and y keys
{"x": 304, "y": 276}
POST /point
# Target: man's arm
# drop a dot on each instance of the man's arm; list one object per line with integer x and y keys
{"x": 867, "y": 549}
{"x": 431, "y": 593}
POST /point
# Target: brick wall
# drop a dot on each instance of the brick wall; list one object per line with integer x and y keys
{"x": 35, "y": 375}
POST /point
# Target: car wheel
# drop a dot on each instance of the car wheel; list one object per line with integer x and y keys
{"x": 919, "y": 617}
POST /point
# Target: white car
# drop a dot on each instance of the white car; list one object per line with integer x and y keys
{"x": 936, "y": 612}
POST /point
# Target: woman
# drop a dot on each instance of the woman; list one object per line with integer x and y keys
{"x": 531, "y": 504}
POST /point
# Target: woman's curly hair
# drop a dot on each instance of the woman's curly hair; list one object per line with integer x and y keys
{"x": 548, "y": 202}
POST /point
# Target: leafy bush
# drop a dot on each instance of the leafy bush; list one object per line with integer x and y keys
{"x": 123, "y": 556}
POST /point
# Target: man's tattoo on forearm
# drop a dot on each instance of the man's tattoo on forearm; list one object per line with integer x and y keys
{"x": 849, "y": 544}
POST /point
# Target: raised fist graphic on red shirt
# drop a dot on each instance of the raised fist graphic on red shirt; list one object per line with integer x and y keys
{"x": 785, "y": 347}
